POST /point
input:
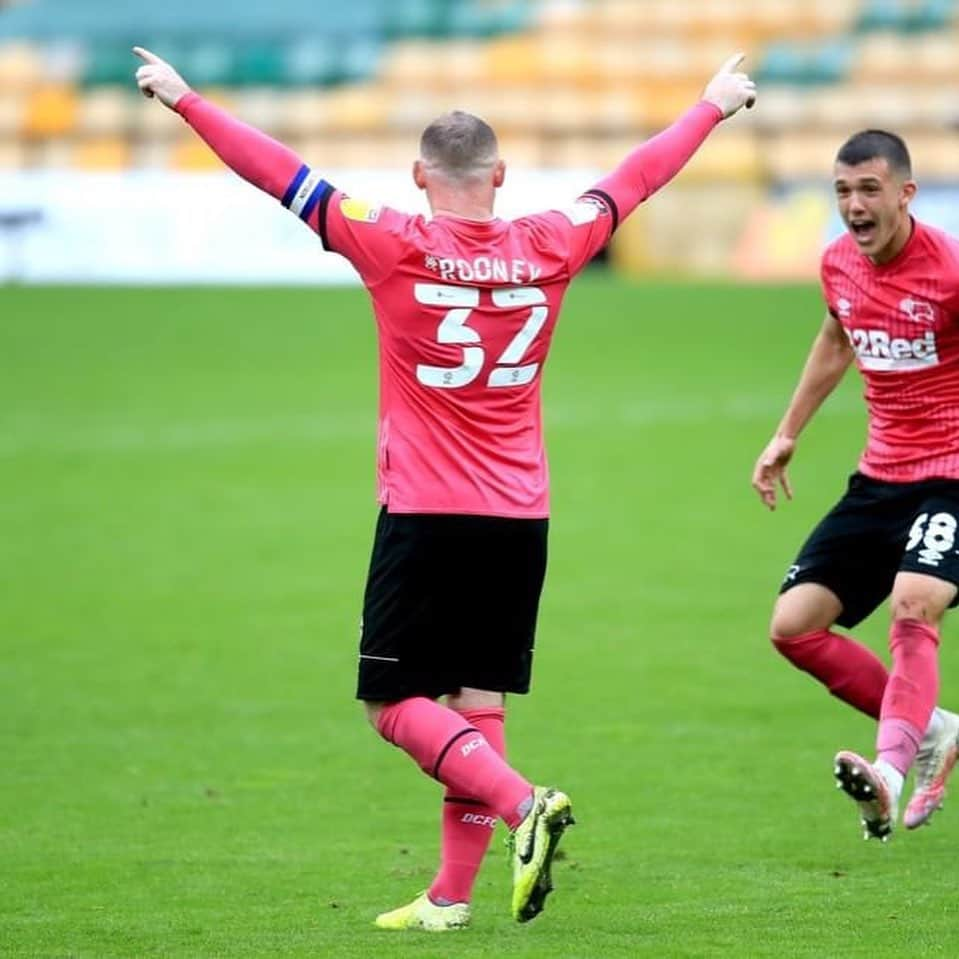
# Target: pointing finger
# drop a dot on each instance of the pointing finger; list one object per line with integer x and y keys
{"x": 730, "y": 65}
{"x": 146, "y": 56}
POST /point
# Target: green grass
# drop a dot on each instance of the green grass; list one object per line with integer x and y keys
{"x": 186, "y": 510}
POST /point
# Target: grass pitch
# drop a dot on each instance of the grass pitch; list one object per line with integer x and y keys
{"x": 185, "y": 521}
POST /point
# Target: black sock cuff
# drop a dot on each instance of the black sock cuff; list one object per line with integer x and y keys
{"x": 446, "y": 748}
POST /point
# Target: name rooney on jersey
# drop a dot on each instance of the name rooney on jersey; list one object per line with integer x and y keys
{"x": 485, "y": 269}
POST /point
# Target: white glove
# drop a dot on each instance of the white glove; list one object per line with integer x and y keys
{"x": 730, "y": 90}
{"x": 156, "y": 78}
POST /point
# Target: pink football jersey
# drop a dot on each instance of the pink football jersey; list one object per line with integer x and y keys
{"x": 902, "y": 319}
{"x": 465, "y": 312}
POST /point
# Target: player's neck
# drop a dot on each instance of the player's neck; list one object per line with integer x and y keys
{"x": 464, "y": 204}
{"x": 477, "y": 213}
{"x": 896, "y": 245}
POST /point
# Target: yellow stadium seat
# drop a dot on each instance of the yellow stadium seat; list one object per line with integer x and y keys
{"x": 193, "y": 155}
{"x": 569, "y": 19}
{"x": 729, "y": 155}
{"x": 223, "y": 97}
{"x": 413, "y": 63}
{"x": 668, "y": 101}
{"x": 564, "y": 108}
{"x": 21, "y": 66}
{"x": 102, "y": 153}
{"x": 51, "y": 111}
{"x": 518, "y": 60}
{"x": 11, "y": 114}
{"x": 934, "y": 155}
{"x": 778, "y": 18}
{"x": 520, "y": 111}
{"x": 152, "y": 154}
{"x": 801, "y": 156}
{"x": 56, "y": 154}
{"x": 304, "y": 112}
{"x": 851, "y": 107}
{"x": 935, "y": 105}
{"x": 465, "y": 63}
{"x": 826, "y": 17}
{"x": 398, "y": 152}
{"x": 883, "y": 57}
{"x": 13, "y": 155}
{"x": 260, "y": 107}
{"x": 105, "y": 111}
{"x": 621, "y": 110}
{"x": 356, "y": 152}
{"x": 149, "y": 120}
{"x": 620, "y": 63}
{"x": 357, "y": 109}
{"x": 784, "y": 107}
{"x": 521, "y": 151}
{"x": 935, "y": 58}
{"x": 574, "y": 151}
{"x": 624, "y": 17}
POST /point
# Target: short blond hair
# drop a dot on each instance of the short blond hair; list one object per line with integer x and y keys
{"x": 459, "y": 145}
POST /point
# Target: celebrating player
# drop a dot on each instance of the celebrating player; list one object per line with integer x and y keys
{"x": 465, "y": 305}
{"x": 892, "y": 289}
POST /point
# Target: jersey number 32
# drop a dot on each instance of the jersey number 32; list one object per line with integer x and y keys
{"x": 460, "y": 302}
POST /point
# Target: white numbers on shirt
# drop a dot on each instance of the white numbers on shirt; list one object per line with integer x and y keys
{"x": 453, "y": 329}
{"x": 938, "y": 537}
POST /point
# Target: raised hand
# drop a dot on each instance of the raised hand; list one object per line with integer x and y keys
{"x": 156, "y": 78}
{"x": 770, "y": 469}
{"x": 729, "y": 89}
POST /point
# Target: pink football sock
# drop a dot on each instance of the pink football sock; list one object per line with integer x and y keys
{"x": 447, "y": 748}
{"x": 849, "y": 670}
{"x": 911, "y": 692}
{"x": 468, "y": 823}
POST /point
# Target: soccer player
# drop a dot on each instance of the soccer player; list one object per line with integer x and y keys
{"x": 465, "y": 306}
{"x": 891, "y": 285}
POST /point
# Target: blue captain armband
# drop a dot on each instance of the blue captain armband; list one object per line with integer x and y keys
{"x": 304, "y": 192}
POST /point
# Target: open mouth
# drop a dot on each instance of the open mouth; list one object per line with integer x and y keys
{"x": 863, "y": 230}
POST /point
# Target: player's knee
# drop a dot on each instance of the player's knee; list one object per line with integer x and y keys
{"x": 915, "y": 606}
{"x": 787, "y": 624}
{"x": 804, "y": 609}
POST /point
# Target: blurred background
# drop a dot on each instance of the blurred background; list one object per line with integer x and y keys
{"x": 98, "y": 185}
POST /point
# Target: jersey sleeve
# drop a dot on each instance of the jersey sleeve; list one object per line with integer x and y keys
{"x": 828, "y": 290}
{"x": 368, "y": 235}
{"x": 266, "y": 163}
{"x": 949, "y": 269}
{"x": 582, "y": 229}
{"x": 592, "y": 219}
{"x": 651, "y": 165}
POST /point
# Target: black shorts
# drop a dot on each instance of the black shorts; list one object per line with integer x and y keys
{"x": 451, "y": 601}
{"x": 875, "y": 531}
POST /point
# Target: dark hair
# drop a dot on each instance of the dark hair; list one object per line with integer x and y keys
{"x": 458, "y": 143}
{"x": 870, "y": 144}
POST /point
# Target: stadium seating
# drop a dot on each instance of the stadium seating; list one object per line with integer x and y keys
{"x": 564, "y": 81}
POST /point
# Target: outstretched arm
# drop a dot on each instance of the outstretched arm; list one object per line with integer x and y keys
{"x": 653, "y": 164}
{"x": 253, "y": 155}
{"x": 828, "y": 360}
